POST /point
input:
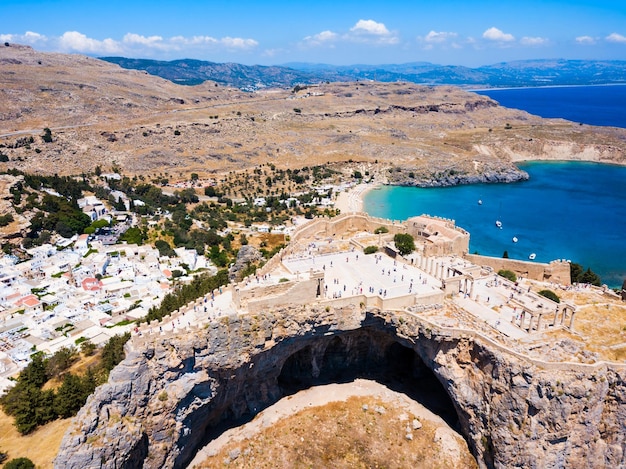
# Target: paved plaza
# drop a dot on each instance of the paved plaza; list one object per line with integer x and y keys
{"x": 353, "y": 273}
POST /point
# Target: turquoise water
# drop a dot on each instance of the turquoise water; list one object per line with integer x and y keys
{"x": 573, "y": 210}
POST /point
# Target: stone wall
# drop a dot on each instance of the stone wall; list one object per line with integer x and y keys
{"x": 555, "y": 271}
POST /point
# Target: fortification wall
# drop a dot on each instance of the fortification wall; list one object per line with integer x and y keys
{"x": 555, "y": 271}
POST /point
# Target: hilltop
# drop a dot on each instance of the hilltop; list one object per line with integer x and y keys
{"x": 102, "y": 115}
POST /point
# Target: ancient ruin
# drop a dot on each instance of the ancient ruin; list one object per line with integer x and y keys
{"x": 449, "y": 333}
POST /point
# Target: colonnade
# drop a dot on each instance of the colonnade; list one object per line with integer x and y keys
{"x": 534, "y": 320}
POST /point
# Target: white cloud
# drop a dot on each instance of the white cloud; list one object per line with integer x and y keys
{"x": 494, "y": 34}
{"x": 194, "y": 40}
{"x": 239, "y": 43}
{"x": 372, "y": 32}
{"x": 29, "y": 37}
{"x": 585, "y": 40}
{"x": 132, "y": 38}
{"x": 370, "y": 27}
{"x": 228, "y": 42}
{"x": 324, "y": 37}
{"x": 614, "y": 37}
{"x": 439, "y": 37}
{"x": 533, "y": 41}
{"x": 364, "y": 31}
{"x": 75, "y": 41}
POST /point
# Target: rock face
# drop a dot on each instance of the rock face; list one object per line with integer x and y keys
{"x": 170, "y": 393}
{"x": 247, "y": 255}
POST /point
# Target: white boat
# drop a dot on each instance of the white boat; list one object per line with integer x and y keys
{"x": 532, "y": 256}
{"x": 515, "y": 239}
{"x": 480, "y": 202}
{"x": 499, "y": 224}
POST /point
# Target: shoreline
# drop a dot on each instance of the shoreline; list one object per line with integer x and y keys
{"x": 351, "y": 200}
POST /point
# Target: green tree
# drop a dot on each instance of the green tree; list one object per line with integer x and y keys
{"x": 60, "y": 361}
{"x": 20, "y": 463}
{"x": 405, "y": 243}
{"x": 87, "y": 347}
{"x": 47, "y": 135}
{"x": 113, "y": 351}
{"x": 508, "y": 274}
{"x": 133, "y": 236}
{"x": 69, "y": 396}
{"x": 550, "y": 295}
{"x": 590, "y": 277}
{"x": 165, "y": 250}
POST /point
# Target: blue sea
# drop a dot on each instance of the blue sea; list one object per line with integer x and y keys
{"x": 567, "y": 210}
{"x": 593, "y": 105}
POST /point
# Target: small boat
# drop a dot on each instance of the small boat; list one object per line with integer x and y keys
{"x": 515, "y": 239}
{"x": 499, "y": 224}
{"x": 480, "y": 202}
{"x": 532, "y": 256}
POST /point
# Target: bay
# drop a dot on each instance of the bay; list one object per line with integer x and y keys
{"x": 572, "y": 210}
{"x": 594, "y": 105}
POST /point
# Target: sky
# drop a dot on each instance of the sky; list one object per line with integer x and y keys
{"x": 446, "y": 32}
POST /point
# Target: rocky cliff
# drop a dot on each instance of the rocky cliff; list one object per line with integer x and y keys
{"x": 171, "y": 394}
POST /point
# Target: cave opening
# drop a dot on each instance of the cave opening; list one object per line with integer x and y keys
{"x": 367, "y": 354}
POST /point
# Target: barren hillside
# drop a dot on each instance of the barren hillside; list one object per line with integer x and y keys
{"x": 101, "y": 114}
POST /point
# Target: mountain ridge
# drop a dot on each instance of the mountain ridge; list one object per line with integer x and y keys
{"x": 519, "y": 73}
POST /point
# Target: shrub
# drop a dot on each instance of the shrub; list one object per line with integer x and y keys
{"x": 20, "y": 463}
{"x": 549, "y": 294}
{"x": 370, "y": 250}
{"x": 381, "y": 229}
{"x": 508, "y": 274}
{"x": 47, "y": 135}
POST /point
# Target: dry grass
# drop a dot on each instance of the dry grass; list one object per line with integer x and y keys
{"x": 100, "y": 114}
{"x": 342, "y": 435}
{"x": 40, "y": 446}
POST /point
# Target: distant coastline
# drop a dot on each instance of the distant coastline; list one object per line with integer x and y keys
{"x": 508, "y": 88}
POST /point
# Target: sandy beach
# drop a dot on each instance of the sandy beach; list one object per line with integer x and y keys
{"x": 352, "y": 200}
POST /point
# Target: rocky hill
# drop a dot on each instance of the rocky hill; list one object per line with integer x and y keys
{"x": 102, "y": 115}
{"x": 165, "y": 400}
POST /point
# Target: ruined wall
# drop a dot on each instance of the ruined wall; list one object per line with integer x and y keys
{"x": 515, "y": 412}
{"x": 555, "y": 271}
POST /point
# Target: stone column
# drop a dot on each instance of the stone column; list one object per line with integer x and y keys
{"x": 571, "y": 322}
{"x": 530, "y": 323}
{"x": 539, "y": 322}
{"x": 471, "y": 293}
{"x": 556, "y": 314}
